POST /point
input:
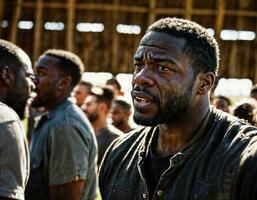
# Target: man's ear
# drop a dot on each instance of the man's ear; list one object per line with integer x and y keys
{"x": 7, "y": 75}
{"x": 64, "y": 82}
{"x": 206, "y": 83}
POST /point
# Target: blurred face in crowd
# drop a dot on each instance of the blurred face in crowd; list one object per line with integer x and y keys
{"x": 46, "y": 81}
{"x": 91, "y": 108}
{"x": 163, "y": 80}
{"x": 221, "y": 104}
{"x": 21, "y": 89}
{"x": 119, "y": 115}
{"x": 80, "y": 93}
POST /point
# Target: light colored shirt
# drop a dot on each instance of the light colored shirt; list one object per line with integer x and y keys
{"x": 14, "y": 159}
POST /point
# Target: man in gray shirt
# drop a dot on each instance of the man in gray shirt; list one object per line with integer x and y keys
{"x": 63, "y": 147}
{"x": 15, "y": 86}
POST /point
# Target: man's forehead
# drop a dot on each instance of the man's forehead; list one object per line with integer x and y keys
{"x": 47, "y": 61}
{"x": 162, "y": 40}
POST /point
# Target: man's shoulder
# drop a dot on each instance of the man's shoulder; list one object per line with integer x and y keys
{"x": 129, "y": 141}
{"x": 112, "y": 130}
{"x": 7, "y": 113}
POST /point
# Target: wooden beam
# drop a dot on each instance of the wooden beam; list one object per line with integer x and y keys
{"x": 70, "y": 24}
{"x": 141, "y": 9}
{"x": 188, "y": 10}
{"x": 37, "y": 30}
{"x": 14, "y": 21}
{"x": 152, "y": 12}
{"x": 220, "y": 11}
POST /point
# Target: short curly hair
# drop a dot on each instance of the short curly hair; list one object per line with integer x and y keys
{"x": 13, "y": 56}
{"x": 69, "y": 63}
{"x": 202, "y": 47}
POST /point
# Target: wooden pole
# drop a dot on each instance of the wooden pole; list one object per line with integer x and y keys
{"x": 70, "y": 25}
{"x": 220, "y": 11}
{"x": 37, "y": 30}
{"x": 115, "y": 39}
{"x": 188, "y": 10}
{"x": 1, "y": 14}
{"x": 152, "y": 12}
{"x": 16, "y": 16}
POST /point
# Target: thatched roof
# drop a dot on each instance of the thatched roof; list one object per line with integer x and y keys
{"x": 112, "y": 51}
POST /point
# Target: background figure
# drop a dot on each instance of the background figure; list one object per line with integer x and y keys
{"x": 15, "y": 86}
{"x": 115, "y": 86}
{"x": 253, "y": 93}
{"x": 221, "y": 102}
{"x": 247, "y": 110}
{"x": 63, "y": 147}
{"x": 81, "y": 91}
{"x": 186, "y": 149}
{"x": 120, "y": 113}
{"x": 96, "y": 107}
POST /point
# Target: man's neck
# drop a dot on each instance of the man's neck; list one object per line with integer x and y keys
{"x": 99, "y": 124}
{"x": 175, "y": 137}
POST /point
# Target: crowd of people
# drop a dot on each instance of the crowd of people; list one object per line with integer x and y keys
{"x": 245, "y": 108}
{"x": 187, "y": 145}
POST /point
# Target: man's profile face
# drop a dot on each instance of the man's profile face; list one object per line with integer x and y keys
{"x": 119, "y": 115}
{"x": 163, "y": 79}
{"x": 91, "y": 108}
{"x": 20, "y": 92}
{"x": 80, "y": 92}
{"x": 46, "y": 81}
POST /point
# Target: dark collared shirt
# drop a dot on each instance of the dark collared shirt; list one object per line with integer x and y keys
{"x": 63, "y": 149}
{"x": 220, "y": 163}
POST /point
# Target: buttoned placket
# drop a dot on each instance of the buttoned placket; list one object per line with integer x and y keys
{"x": 175, "y": 163}
{"x": 140, "y": 166}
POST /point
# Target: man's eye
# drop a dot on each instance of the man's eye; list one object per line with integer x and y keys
{"x": 162, "y": 68}
{"x": 39, "y": 74}
{"x": 138, "y": 66}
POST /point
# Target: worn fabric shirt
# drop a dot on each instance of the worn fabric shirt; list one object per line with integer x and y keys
{"x": 14, "y": 155}
{"x": 63, "y": 149}
{"x": 218, "y": 164}
{"x": 104, "y": 138}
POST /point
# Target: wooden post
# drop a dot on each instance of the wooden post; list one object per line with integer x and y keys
{"x": 70, "y": 25}
{"x": 16, "y": 16}
{"x": 115, "y": 40}
{"x": 37, "y": 30}
{"x": 1, "y": 14}
{"x": 188, "y": 10}
{"x": 220, "y": 11}
{"x": 152, "y": 13}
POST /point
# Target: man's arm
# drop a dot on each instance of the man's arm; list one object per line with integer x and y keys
{"x": 68, "y": 191}
{"x": 13, "y": 160}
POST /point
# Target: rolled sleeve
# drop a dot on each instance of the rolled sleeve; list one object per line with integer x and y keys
{"x": 69, "y": 155}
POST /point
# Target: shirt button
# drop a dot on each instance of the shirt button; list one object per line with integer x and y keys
{"x": 144, "y": 195}
{"x": 159, "y": 193}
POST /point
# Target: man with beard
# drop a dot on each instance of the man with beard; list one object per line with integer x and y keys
{"x": 63, "y": 148}
{"x": 190, "y": 150}
{"x": 120, "y": 113}
{"x": 15, "y": 87}
{"x": 96, "y": 106}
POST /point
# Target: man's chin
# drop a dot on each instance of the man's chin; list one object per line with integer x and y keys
{"x": 144, "y": 121}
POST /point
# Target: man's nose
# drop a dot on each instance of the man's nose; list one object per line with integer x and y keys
{"x": 144, "y": 77}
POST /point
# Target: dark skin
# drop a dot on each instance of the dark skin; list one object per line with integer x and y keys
{"x": 52, "y": 88}
{"x": 68, "y": 191}
{"x": 165, "y": 71}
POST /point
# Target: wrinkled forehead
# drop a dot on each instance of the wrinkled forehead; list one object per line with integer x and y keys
{"x": 47, "y": 61}
{"x": 158, "y": 43}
